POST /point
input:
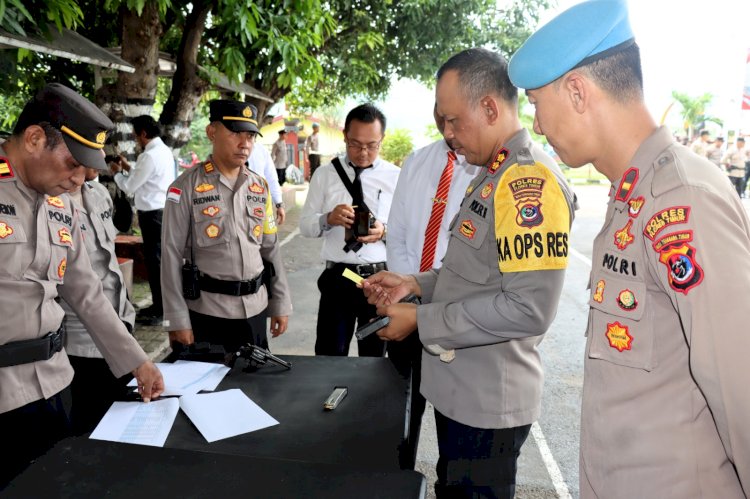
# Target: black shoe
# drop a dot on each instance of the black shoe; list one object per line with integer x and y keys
{"x": 150, "y": 311}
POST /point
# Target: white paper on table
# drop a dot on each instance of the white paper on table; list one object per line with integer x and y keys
{"x": 225, "y": 414}
{"x": 138, "y": 422}
{"x": 185, "y": 376}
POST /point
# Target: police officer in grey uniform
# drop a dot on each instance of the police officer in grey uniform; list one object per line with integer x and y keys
{"x": 42, "y": 250}
{"x": 219, "y": 222}
{"x": 486, "y": 310}
{"x": 94, "y": 387}
{"x": 665, "y": 396}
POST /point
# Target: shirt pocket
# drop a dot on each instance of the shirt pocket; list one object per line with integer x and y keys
{"x": 12, "y": 239}
{"x": 210, "y": 224}
{"x": 621, "y": 330}
{"x": 256, "y": 213}
{"x": 467, "y": 259}
{"x": 61, "y": 240}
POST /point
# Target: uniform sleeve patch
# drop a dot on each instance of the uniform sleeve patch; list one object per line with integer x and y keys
{"x": 683, "y": 271}
{"x": 5, "y": 230}
{"x": 204, "y": 187}
{"x": 211, "y": 211}
{"x": 65, "y": 237}
{"x": 174, "y": 194}
{"x": 635, "y": 205}
{"x": 532, "y": 220}
{"x": 624, "y": 237}
{"x": 666, "y": 217}
{"x": 502, "y": 155}
{"x": 56, "y": 202}
{"x": 269, "y": 223}
{"x": 6, "y": 171}
{"x": 627, "y": 184}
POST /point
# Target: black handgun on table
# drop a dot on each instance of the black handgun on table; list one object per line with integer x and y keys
{"x": 257, "y": 356}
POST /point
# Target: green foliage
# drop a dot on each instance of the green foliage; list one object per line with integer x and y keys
{"x": 397, "y": 145}
{"x": 694, "y": 111}
{"x": 432, "y": 132}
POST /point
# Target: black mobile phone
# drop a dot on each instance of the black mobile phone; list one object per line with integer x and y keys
{"x": 379, "y": 323}
{"x": 362, "y": 222}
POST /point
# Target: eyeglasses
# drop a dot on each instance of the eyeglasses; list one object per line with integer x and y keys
{"x": 371, "y": 147}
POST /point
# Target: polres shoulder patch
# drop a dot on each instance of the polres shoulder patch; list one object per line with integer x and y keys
{"x": 532, "y": 220}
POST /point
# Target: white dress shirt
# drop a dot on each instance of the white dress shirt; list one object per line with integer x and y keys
{"x": 327, "y": 191}
{"x": 150, "y": 178}
{"x": 261, "y": 163}
{"x": 412, "y": 205}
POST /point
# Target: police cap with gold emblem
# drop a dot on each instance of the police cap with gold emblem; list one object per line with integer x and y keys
{"x": 84, "y": 126}
{"x": 584, "y": 33}
{"x": 235, "y": 115}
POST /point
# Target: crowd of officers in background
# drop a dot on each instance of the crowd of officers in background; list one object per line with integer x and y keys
{"x": 732, "y": 158}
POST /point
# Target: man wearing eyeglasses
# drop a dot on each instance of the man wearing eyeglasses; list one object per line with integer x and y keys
{"x": 348, "y": 204}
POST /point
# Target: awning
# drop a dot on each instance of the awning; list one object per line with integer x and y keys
{"x": 69, "y": 45}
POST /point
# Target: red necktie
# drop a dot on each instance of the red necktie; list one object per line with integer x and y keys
{"x": 436, "y": 217}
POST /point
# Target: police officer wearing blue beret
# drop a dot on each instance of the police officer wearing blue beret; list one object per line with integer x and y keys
{"x": 665, "y": 397}
{"x": 57, "y": 135}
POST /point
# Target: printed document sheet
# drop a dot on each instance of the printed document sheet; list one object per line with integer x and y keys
{"x": 138, "y": 423}
{"x": 186, "y": 377}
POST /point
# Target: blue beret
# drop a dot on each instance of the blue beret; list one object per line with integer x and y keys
{"x": 582, "y": 34}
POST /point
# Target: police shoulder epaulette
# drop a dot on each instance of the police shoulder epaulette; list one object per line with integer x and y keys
{"x": 668, "y": 174}
{"x": 524, "y": 157}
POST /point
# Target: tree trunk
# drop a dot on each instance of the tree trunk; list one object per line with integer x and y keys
{"x": 187, "y": 86}
{"x": 133, "y": 94}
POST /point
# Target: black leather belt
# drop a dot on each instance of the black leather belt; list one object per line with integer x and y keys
{"x": 26, "y": 351}
{"x": 363, "y": 269}
{"x": 232, "y": 288}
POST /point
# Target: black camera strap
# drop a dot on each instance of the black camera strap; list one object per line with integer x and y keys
{"x": 358, "y": 199}
{"x": 354, "y": 188}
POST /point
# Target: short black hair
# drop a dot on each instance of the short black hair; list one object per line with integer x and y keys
{"x": 366, "y": 113}
{"x": 481, "y": 72}
{"x": 704, "y": 132}
{"x": 740, "y": 139}
{"x": 145, "y": 123}
{"x": 620, "y": 74}
{"x": 33, "y": 113}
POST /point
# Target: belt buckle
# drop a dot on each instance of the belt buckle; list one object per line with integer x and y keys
{"x": 56, "y": 342}
{"x": 365, "y": 269}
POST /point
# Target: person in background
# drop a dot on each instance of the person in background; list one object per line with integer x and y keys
{"x": 354, "y": 189}
{"x": 94, "y": 387}
{"x": 279, "y": 156}
{"x": 734, "y": 163}
{"x": 148, "y": 181}
{"x": 261, "y": 163}
{"x": 665, "y": 398}
{"x": 716, "y": 152}
{"x": 221, "y": 225}
{"x": 701, "y": 144}
{"x": 312, "y": 148}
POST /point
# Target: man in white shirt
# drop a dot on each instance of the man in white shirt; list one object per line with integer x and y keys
{"x": 148, "y": 181}
{"x": 418, "y": 194}
{"x": 280, "y": 156}
{"x": 330, "y": 212}
{"x": 261, "y": 163}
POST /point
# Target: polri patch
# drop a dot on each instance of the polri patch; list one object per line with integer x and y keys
{"x": 666, "y": 217}
{"x": 258, "y": 211}
{"x": 635, "y": 205}
{"x": 5, "y": 230}
{"x": 212, "y": 231}
{"x": 204, "y": 187}
{"x": 487, "y": 190}
{"x": 174, "y": 194}
{"x": 256, "y": 188}
{"x": 56, "y": 202}
{"x": 626, "y": 300}
{"x": 467, "y": 229}
{"x": 599, "y": 291}
{"x": 257, "y": 230}
{"x": 211, "y": 211}
{"x": 683, "y": 271}
{"x": 527, "y": 238}
{"x": 619, "y": 336}
{"x": 62, "y": 267}
{"x": 65, "y": 237}
{"x": 624, "y": 237}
